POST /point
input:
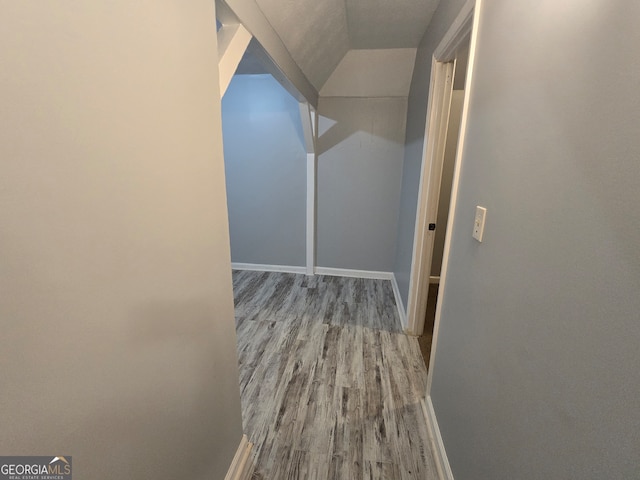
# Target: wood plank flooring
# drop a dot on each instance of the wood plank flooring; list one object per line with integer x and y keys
{"x": 330, "y": 385}
{"x": 426, "y": 339}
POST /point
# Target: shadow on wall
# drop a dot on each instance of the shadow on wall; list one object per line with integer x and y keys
{"x": 296, "y": 121}
{"x": 342, "y": 117}
{"x": 360, "y": 148}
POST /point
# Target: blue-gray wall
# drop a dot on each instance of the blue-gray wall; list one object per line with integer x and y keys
{"x": 536, "y": 372}
{"x": 414, "y": 140}
{"x": 265, "y": 166}
{"x": 359, "y": 172}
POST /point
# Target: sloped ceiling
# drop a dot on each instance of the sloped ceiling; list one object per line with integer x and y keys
{"x": 318, "y": 33}
{"x": 314, "y": 32}
{"x": 388, "y": 23}
{"x": 372, "y": 73}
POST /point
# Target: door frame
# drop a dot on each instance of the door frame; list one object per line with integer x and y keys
{"x": 440, "y": 89}
{"x": 439, "y": 106}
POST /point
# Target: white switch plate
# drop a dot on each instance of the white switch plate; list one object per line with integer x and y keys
{"x": 478, "y": 223}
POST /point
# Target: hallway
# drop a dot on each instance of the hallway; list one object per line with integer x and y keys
{"x": 330, "y": 385}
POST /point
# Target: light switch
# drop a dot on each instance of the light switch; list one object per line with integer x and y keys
{"x": 478, "y": 223}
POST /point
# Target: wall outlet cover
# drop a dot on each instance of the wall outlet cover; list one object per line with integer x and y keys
{"x": 478, "y": 223}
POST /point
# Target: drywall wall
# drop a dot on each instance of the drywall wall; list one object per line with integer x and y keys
{"x": 372, "y": 73}
{"x": 451, "y": 144}
{"x": 118, "y": 341}
{"x": 444, "y": 15}
{"x": 266, "y": 172}
{"x": 359, "y": 170}
{"x": 536, "y": 371}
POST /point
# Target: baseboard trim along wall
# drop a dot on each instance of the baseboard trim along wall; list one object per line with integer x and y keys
{"x": 435, "y": 439}
{"x": 346, "y": 272}
{"x": 259, "y": 267}
{"x": 241, "y": 467}
{"x": 402, "y": 312}
{"x": 335, "y": 272}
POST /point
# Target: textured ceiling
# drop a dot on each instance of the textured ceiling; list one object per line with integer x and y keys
{"x": 388, "y": 23}
{"x": 318, "y": 33}
{"x": 251, "y": 63}
{"x": 314, "y": 32}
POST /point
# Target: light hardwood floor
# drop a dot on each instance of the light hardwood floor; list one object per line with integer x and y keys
{"x": 330, "y": 385}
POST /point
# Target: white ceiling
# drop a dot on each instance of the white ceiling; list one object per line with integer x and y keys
{"x": 318, "y": 33}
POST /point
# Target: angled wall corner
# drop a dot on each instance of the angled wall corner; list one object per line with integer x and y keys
{"x": 316, "y": 33}
{"x": 251, "y": 16}
{"x": 233, "y": 41}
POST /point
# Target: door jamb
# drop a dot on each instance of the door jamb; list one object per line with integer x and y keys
{"x": 473, "y": 20}
{"x": 462, "y": 26}
{"x": 432, "y": 158}
{"x": 440, "y": 90}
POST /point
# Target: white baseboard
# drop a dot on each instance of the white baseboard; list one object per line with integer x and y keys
{"x": 345, "y": 272}
{"x": 241, "y": 467}
{"x": 335, "y": 272}
{"x": 259, "y": 267}
{"x": 437, "y": 445}
{"x": 402, "y": 312}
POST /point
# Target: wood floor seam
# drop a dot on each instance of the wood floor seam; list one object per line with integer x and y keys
{"x": 330, "y": 385}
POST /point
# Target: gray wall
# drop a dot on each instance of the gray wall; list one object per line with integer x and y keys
{"x": 414, "y": 140}
{"x": 118, "y": 341}
{"x": 265, "y": 164}
{"x": 359, "y": 171}
{"x": 450, "y": 150}
{"x": 536, "y": 372}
